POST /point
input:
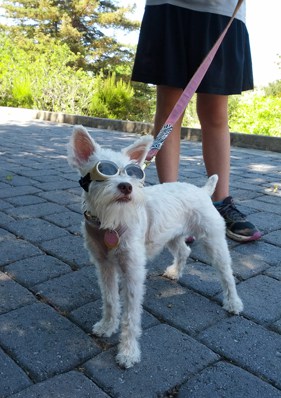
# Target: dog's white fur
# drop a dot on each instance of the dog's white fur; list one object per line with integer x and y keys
{"x": 152, "y": 218}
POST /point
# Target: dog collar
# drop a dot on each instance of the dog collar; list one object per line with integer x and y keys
{"x": 111, "y": 237}
{"x": 85, "y": 182}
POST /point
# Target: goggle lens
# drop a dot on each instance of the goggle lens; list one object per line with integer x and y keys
{"x": 133, "y": 170}
{"x": 107, "y": 168}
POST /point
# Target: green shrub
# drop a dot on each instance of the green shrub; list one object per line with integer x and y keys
{"x": 257, "y": 114}
{"x": 22, "y": 91}
{"x": 42, "y": 77}
{"x": 111, "y": 98}
{"x": 41, "y": 74}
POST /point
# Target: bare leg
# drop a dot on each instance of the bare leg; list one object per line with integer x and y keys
{"x": 167, "y": 160}
{"x": 213, "y": 115}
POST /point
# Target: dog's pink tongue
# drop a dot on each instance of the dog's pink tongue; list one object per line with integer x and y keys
{"x": 111, "y": 239}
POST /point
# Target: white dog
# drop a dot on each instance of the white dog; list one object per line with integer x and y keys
{"x": 126, "y": 224}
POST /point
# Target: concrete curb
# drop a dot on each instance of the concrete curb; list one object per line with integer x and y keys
{"x": 191, "y": 134}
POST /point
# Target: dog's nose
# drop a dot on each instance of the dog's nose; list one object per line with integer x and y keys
{"x": 125, "y": 187}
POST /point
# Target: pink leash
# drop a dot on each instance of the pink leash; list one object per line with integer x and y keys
{"x": 187, "y": 93}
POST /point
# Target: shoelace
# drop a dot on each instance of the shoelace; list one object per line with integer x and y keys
{"x": 231, "y": 212}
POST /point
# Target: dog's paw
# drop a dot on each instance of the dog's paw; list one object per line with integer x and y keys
{"x": 129, "y": 355}
{"x": 234, "y": 306}
{"x": 172, "y": 273}
{"x": 105, "y": 329}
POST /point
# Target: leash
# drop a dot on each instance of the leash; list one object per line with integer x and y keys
{"x": 187, "y": 94}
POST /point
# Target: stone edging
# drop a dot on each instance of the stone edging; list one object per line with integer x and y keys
{"x": 237, "y": 139}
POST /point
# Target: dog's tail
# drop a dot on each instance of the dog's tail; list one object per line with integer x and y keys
{"x": 210, "y": 185}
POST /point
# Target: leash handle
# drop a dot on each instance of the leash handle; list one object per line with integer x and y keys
{"x": 188, "y": 93}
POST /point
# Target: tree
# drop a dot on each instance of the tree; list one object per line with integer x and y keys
{"x": 274, "y": 88}
{"x": 81, "y": 24}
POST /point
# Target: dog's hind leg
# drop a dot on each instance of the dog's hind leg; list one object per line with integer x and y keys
{"x": 108, "y": 281}
{"x": 132, "y": 297}
{"x": 181, "y": 252}
{"x": 217, "y": 249}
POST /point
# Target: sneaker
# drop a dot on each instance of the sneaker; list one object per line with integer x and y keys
{"x": 238, "y": 227}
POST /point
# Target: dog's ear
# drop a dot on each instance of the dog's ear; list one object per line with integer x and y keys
{"x": 81, "y": 147}
{"x": 139, "y": 149}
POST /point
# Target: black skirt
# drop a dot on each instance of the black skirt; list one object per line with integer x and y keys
{"x": 174, "y": 41}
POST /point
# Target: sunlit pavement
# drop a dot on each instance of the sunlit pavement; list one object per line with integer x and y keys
{"x": 49, "y": 297}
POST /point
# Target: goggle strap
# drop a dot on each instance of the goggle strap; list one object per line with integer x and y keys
{"x": 85, "y": 182}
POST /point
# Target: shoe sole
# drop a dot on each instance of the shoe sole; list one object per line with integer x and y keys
{"x": 243, "y": 239}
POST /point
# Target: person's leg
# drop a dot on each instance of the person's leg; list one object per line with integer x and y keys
{"x": 167, "y": 159}
{"x": 213, "y": 116}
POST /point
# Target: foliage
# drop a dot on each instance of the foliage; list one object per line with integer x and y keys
{"x": 44, "y": 78}
{"x": 143, "y": 105}
{"x": 81, "y": 24}
{"x": 44, "y": 74}
{"x": 256, "y": 113}
{"x": 190, "y": 118}
{"x": 111, "y": 98}
{"x": 273, "y": 89}
{"x": 22, "y": 91}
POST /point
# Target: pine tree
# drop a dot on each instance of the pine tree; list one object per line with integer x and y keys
{"x": 84, "y": 25}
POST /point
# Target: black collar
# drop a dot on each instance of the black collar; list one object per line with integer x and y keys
{"x": 85, "y": 182}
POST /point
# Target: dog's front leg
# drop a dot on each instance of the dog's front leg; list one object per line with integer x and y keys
{"x": 108, "y": 282}
{"x": 132, "y": 297}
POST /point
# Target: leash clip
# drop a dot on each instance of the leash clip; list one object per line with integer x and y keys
{"x": 148, "y": 162}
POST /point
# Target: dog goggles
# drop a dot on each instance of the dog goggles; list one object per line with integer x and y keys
{"x": 105, "y": 169}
